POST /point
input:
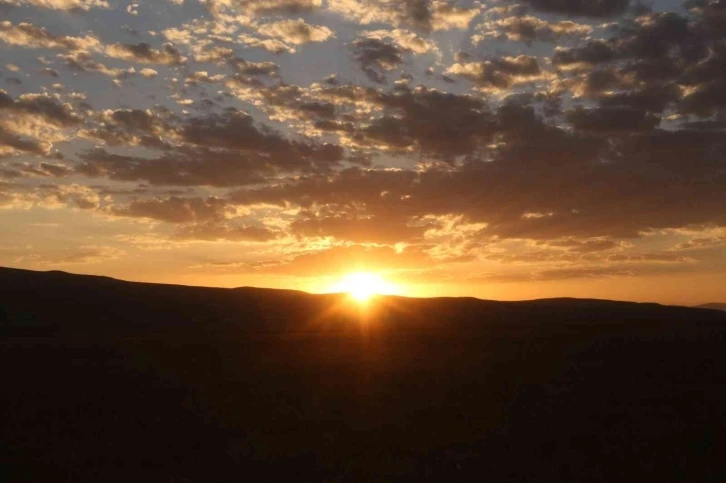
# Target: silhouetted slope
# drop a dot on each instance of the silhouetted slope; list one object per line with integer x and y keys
{"x": 713, "y": 306}
{"x": 57, "y": 301}
{"x": 112, "y": 381}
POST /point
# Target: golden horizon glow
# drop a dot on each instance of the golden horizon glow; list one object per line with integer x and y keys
{"x": 361, "y": 286}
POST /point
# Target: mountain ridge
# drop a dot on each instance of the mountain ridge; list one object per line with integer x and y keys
{"x": 553, "y": 300}
{"x": 713, "y": 306}
{"x": 113, "y": 381}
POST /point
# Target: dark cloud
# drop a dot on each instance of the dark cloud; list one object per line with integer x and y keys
{"x": 653, "y": 99}
{"x": 256, "y": 68}
{"x": 296, "y": 32}
{"x": 423, "y": 121}
{"x": 15, "y": 142}
{"x": 181, "y": 167}
{"x": 418, "y": 13}
{"x": 42, "y": 105}
{"x": 376, "y": 57}
{"x": 84, "y": 62}
{"x": 132, "y": 127}
{"x": 276, "y": 6}
{"x": 589, "y": 8}
{"x": 500, "y": 73}
{"x": 237, "y": 131}
{"x": 655, "y": 62}
{"x": 227, "y": 149}
{"x": 145, "y": 53}
{"x": 569, "y": 154}
{"x": 612, "y": 120}
{"x": 593, "y": 52}
{"x": 528, "y": 29}
{"x": 56, "y": 170}
{"x": 41, "y": 170}
{"x": 212, "y": 231}
{"x": 544, "y": 183}
{"x": 177, "y": 210}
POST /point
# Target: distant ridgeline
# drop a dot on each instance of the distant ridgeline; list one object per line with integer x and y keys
{"x": 111, "y": 381}
{"x": 38, "y": 302}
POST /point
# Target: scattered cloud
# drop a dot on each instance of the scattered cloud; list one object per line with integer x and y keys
{"x": 296, "y": 32}
{"x": 30, "y": 36}
{"x": 561, "y": 139}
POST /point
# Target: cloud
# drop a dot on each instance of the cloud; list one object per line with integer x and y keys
{"x": 609, "y": 120}
{"x": 42, "y": 105}
{"x": 12, "y": 143}
{"x": 177, "y": 210}
{"x": 49, "y": 196}
{"x": 650, "y": 258}
{"x": 182, "y": 167}
{"x": 31, "y": 123}
{"x": 144, "y": 53}
{"x": 82, "y": 255}
{"x": 582, "y": 246}
{"x": 346, "y": 227}
{"x": 29, "y": 36}
{"x": 25, "y": 169}
{"x": 346, "y": 259}
{"x": 267, "y": 7}
{"x": 236, "y": 131}
{"x": 701, "y": 243}
{"x": 296, "y": 32}
{"x": 256, "y": 68}
{"x": 581, "y": 272}
{"x": 130, "y": 127}
{"x": 445, "y": 16}
{"x": 501, "y": 73}
{"x": 423, "y": 15}
{"x": 271, "y": 45}
{"x": 573, "y": 160}
{"x": 376, "y": 57}
{"x": 529, "y": 29}
{"x": 218, "y": 150}
{"x": 213, "y": 231}
{"x": 658, "y": 60}
{"x": 83, "y": 62}
{"x": 148, "y": 73}
{"x": 404, "y": 39}
{"x": 65, "y": 5}
{"x": 434, "y": 124}
{"x": 588, "y": 8}
{"x": 577, "y": 186}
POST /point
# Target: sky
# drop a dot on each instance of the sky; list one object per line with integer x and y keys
{"x": 496, "y": 149}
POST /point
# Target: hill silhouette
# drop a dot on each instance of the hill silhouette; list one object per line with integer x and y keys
{"x": 106, "y": 380}
{"x": 713, "y": 306}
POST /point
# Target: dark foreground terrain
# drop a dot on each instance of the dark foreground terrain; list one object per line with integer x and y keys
{"x": 715, "y": 306}
{"x": 110, "y": 381}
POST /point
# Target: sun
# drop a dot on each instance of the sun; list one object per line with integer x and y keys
{"x": 361, "y": 286}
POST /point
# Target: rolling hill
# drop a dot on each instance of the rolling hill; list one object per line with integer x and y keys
{"x": 106, "y": 380}
{"x": 714, "y": 306}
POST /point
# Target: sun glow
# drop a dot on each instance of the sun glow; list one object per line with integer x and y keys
{"x": 361, "y": 286}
